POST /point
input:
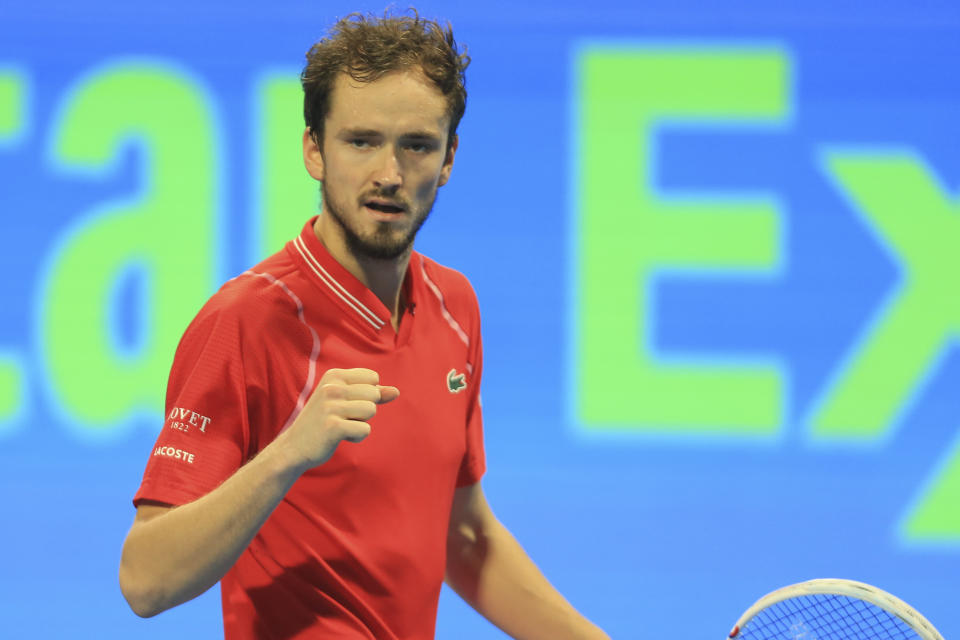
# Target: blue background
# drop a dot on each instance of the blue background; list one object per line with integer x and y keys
{"x": 650, "y": 537}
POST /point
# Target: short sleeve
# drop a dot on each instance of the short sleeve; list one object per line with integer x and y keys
{"x": 206, "y": 429}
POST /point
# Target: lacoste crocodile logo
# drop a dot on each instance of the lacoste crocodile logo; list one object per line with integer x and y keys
{"x": 455, "y": 381}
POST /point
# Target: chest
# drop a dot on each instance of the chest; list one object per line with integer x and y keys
{"x": 424, "y": 428}
{"x": 423, "y": 432}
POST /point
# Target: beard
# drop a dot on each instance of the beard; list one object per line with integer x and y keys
{"x": 385, "y": 242}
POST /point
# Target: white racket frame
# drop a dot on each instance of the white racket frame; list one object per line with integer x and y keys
{"x": 841, "y": 587}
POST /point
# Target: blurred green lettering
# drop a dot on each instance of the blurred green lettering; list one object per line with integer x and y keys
{"x": 935, "y": 517}
{"x": 289, "y": 196}
{"x": 12, "y": 123}
{"x": 11, "y": 392}
{"x": 164, "y": 229}
{"x": 629, "y": 234}
{"x": 901, "y": 202}
{"x": 12, "y": 104}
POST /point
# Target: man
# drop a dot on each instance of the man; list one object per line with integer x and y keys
{"x": 270, "y": 473}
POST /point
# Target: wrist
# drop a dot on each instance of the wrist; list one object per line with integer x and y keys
{"x": 284, "y": 458}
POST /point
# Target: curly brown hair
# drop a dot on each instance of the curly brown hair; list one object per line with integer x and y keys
{"x": 368, "y": 46}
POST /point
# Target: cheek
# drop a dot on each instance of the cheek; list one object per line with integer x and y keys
{"x": 427, "y": 190}
{"x": 337, "y": 178}
{"x": 430, "y": 181}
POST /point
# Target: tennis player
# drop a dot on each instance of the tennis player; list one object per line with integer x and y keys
{"x": 322, "y": 452}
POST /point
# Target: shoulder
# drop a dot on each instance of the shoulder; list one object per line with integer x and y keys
{"x": 248, "y": 304}
{"x": 452, "y": 296}
{"x": 454, "y": 287}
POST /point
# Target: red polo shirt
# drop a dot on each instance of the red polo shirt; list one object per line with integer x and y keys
{"x": 356, "y": 549}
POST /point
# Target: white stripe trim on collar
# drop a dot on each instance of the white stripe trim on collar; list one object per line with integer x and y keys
{"x": 369, "y": 316}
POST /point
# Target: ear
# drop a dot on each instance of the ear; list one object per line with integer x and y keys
{"x": 448, "y": 162}
{"x": 312, "y": 155}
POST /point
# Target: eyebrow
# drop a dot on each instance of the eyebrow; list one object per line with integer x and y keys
{"x": 360, "y": 133}
{"x": 411, "y": 135}
{"x": 421, "y": 135}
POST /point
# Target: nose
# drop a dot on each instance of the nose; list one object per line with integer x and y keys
{"x": 388, "y": 176}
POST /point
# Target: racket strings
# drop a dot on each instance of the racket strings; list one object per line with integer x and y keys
{"x": 826, "y": 617}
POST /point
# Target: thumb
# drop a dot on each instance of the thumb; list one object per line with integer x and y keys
{"x": 388, "y": 394}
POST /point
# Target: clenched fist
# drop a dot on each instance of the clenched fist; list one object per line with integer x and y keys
{"x": 337, "y": 410}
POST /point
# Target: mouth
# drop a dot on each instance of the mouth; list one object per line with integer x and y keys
{"x": 385, "y": 207}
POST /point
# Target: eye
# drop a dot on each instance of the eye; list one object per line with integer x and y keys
{"x": 420, "y": 146}
{"x": 359, "y": 143}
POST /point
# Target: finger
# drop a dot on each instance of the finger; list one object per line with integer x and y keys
{"x": 360, "y": 392}
{"x": 359, "y": 376}
{"x": 355, "y": 430}
{"x": 357, "y": 409}
{"x": 387, "y": 394}
{"x": 350, "y": 376}
{"x": 331, "y": 376}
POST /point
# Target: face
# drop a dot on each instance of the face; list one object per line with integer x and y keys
{"x": 383, "y": 157}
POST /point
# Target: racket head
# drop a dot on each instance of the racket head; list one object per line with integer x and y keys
{"x": 832, "y": 609}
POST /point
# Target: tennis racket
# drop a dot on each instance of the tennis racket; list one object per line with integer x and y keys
{"x": 829, "y": 609}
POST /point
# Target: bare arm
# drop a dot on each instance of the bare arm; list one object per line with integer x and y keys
{"x": 489, "y": 569}
{"x": 173, "y": 554}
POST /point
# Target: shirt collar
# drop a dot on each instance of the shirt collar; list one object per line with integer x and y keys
{"x": 345, "y": 289}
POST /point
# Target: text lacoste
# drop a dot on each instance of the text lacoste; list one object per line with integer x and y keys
{"x": 181, "y": 419}
{"x": 178, "y": 454}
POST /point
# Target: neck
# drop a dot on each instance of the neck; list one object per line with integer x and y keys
{"x": 384, "y": 277}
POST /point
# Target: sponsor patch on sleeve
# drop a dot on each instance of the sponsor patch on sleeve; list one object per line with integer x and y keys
{"x": 186, "y": 420}
{"x": 173, "y": 452}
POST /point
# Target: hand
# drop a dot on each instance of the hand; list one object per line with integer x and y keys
{"x": 337, "y": 410}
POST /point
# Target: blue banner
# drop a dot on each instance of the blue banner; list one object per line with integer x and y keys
{"x": 715, "y": 248}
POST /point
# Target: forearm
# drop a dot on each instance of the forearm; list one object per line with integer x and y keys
{"x": 173, "y": 555}
{"x": 493, "y": 573}
{"x": 182, "y": 552}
